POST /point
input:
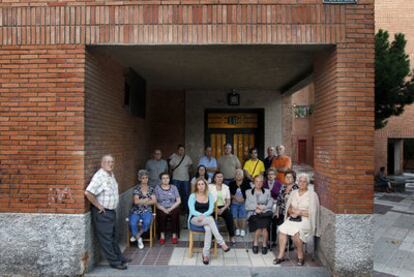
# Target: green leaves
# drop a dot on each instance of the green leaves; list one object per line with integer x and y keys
{"x": 394, "y": 85}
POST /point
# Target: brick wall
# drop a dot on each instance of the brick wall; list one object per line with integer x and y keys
{"x": 41, "y": 125}
{"x": 395, "y": 16}
{"x": 167, "y": 117}
{"x": 154, "y": 23}
{"x": 344, "y": 129}
{"x": 302, "y": 128}
{"x": 109, "y": 128}
{"x": 343, "y": 137}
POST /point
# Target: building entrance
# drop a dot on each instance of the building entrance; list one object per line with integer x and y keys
{"x": 243, "y": 129}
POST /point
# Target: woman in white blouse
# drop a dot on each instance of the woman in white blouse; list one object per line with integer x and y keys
{"x": 221, "y": 195}
{"x": 301, "y": 219}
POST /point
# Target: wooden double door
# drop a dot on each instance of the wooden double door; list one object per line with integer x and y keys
{"x": 242, "y": 129}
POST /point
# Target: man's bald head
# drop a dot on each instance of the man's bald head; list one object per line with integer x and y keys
{"x": 107, "y": 163}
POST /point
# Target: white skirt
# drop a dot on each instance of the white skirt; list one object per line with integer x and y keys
{"x": 291, "y": 228}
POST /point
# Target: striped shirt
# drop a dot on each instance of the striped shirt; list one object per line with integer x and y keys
{"x": 105, "y": 189}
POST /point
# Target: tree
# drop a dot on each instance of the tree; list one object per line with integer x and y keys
{"x": 394, "y": 85}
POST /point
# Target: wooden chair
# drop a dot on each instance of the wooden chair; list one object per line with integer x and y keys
{"x": 199, "y": 230}
{"x": 151, "y": 232}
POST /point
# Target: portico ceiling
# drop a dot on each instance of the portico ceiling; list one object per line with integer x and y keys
{"x": 217, "y": 67}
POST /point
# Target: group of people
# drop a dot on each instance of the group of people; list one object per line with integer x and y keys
{"x": 262, "y": 195}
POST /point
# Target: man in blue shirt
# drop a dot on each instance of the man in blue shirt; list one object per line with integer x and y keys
{"x": 209, "y": 162}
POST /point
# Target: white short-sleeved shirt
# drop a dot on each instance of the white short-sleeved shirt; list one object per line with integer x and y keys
{"x": 105, "y": 188}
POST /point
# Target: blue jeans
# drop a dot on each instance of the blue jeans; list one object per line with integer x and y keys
{"x": 134, "y": 220}
{"x": 184, "y": 191}
{"x": 238, "y": 210}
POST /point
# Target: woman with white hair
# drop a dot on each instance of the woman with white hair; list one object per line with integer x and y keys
{"x": 301, "y": 219}
{"x": 141, "y": 211}
{"x": 238, "y": 189}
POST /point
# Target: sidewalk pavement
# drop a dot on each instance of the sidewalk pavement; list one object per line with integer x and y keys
{"x": 394, "y": 232}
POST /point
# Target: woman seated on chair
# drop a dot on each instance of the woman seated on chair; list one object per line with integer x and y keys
{"x": 259, "y": 213}
{"x": 201, "y": 207}
{"x": 282, "y": 198}
{"x": 201, "y": 173}
{"x": 238, "y": 189}
{"x": 168, "y": 206}
{"x": 301, "y": 219}
{"x": 221, "y": 195}
{"x": 141, "y": 211}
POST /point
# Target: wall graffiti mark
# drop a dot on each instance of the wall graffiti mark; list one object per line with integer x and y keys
{"x": 60, "y": 196}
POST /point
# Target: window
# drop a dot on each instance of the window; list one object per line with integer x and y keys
{"x": 134, "y": 94}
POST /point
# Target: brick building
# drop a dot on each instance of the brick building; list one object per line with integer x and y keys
{"x": 394, "y": 144}
{"x": 72, "y": 89}
{"x": 398, "y": 135}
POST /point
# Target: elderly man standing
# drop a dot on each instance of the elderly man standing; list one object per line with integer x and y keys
{"x": 103, "y": 193}
{"x": 281, "y": 163}
{"x": 209, "y": 162}
{"x": 228, "y": 163}
{"x": 270, "y": 155}
{"x": 155, "y": 167}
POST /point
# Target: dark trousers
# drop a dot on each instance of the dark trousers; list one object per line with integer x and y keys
{"x": 107, "y": 234}
{"x": 184, "y": 191}
{"x": 228, "y": 219}
{"x": 162, "y": 218}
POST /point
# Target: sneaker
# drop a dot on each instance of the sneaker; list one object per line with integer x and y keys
{"x": 237, "y": 232}
{"x": 132, "y": 239}
{"x": 242, "y": 233}
{"x": 140, "y": 244}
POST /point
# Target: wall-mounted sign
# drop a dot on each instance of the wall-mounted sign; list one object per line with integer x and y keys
{"x": 232, "y": 120}
{"x": 340, "y": 1}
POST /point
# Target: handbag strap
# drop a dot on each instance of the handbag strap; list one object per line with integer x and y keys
{"x": 254, "y": 169}
{"x": 182, "y": 159}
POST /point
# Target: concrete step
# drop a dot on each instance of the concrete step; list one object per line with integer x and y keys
{"x": 208, "y": 271}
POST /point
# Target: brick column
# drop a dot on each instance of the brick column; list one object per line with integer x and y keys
{"x": 42, "y": 158}
{"x": 344, "y": 146}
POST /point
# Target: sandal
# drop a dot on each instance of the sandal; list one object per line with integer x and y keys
{"x": 278, "y": 261}
{"x": 206, "y": 260}
{"x": 225, "y": 250}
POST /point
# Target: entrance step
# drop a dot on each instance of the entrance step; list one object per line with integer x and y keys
{"x": 208, "y": 271}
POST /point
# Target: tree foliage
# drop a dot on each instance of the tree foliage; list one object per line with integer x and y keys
{"x": 394, "y": 85}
